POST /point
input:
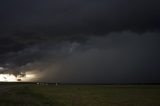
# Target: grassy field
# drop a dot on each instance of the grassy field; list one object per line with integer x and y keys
{"x": 82, "y": 95}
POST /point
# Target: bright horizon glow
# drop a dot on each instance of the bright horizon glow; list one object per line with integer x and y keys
{"x": 7, "y": 78}
{"x": 12, "y": 78}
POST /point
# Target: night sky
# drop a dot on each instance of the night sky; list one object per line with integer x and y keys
{"x": 81, "y": 41}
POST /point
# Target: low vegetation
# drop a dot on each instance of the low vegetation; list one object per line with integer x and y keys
{"x": 82, "y": 95}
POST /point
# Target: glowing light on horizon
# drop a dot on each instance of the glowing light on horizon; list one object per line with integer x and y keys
{"x": 7, "y": 78}
{"x": 13, "y": 78}
{"x": 29, "y": 77}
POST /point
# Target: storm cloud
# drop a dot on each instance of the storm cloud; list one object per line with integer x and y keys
{"x": 101, "y": 41}
{"x": 118, "y": 57}
{"x": 115, "y": 58}
{"x": 79, "y": 16}
{"x": 25, "y": 23}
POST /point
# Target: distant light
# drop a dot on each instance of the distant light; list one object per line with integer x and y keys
{"x": 7, "y": 78}
{"x": 13, "y": 78}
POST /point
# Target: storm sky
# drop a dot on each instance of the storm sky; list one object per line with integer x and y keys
{"x": 81, "y": 41}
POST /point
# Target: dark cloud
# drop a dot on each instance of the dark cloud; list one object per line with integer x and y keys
{"x": 30, "y": 22}
{"x": 117, "y": 57}
{"x": 63, "y": 39}
{"x": 80, "y": 16}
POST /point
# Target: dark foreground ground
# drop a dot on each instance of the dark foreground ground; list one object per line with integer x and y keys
{"x": 79, "y": 95}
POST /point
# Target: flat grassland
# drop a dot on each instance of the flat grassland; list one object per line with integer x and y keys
{"x": 81, "y": 95}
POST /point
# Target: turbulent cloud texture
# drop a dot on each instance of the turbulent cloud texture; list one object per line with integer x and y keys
{"x": 101, "y": 41}
{"x": 117, "y": 57}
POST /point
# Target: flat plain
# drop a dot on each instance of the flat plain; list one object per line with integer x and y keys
{"x": 79, "y": 95}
